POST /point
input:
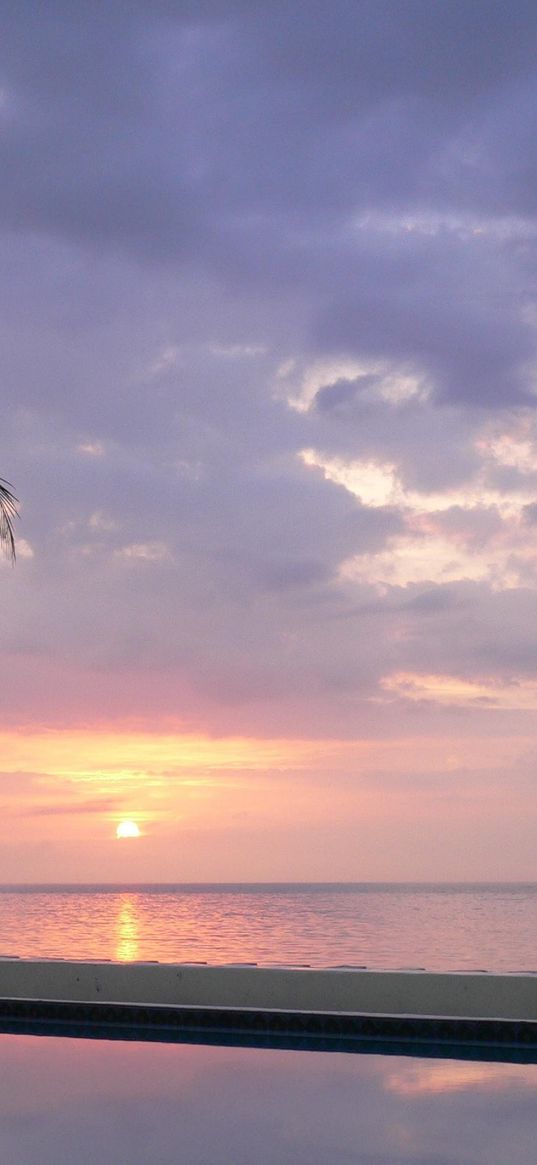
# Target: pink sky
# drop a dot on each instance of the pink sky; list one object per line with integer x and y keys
{"x": 240, "y": 809}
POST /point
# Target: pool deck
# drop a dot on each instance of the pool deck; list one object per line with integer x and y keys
{"x": 280, "y": 1005}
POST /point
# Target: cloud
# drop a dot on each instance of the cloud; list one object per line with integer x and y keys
{"x": 517, "y": 693}
{"x": 475, "y": 530}
{"x": 269, "y": 358}
{"x": 144, "y": 551}
{"x": 343, "y": 159}
{"x": 97, "y": 807}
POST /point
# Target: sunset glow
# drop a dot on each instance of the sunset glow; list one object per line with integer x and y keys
{"x": 214, "y": 809}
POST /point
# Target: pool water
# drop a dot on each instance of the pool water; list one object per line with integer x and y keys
{"x": 65, "y": 1100}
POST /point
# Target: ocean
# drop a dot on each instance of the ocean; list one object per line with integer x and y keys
{"x": 436, "y": 927}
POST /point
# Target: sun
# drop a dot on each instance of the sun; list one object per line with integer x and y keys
{"x": 127, "y": 829}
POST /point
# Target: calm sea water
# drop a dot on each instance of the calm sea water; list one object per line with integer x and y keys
{"x": 490, "y": 927}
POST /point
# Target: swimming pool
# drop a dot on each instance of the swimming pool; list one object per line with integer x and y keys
{"x": 66, "y": 1100}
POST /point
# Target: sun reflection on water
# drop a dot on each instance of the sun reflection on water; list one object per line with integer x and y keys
{"x": 127, "y": 929}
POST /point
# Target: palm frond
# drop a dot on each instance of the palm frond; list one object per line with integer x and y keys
{"x": 8, "y": 513}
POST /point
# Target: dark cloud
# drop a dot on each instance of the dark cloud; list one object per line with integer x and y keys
{"x": 340, "y": 397}
{"x": 476, "y": 632}
{"x": 246, "y": 143}
{"x": 97, "y": 806}
{"x": 433, "y": 601}
{"x": 530, "y": 513}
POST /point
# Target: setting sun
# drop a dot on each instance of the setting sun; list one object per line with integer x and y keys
{"x": 127, "y": 829}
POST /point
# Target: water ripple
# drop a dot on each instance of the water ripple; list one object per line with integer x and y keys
{"x": 436, "y": 927}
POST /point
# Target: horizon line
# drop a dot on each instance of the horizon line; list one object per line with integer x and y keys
{"x": 280, "y": 883}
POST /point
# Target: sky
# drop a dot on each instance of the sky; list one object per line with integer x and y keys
{"x": 268, "y": 344}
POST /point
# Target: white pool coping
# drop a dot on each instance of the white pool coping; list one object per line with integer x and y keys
{"x": 340, "y": 990}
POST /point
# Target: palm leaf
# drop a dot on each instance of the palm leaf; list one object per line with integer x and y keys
{"x": 8, "y": 513}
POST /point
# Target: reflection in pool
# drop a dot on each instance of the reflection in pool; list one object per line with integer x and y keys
{"x": 69, "y": 1100}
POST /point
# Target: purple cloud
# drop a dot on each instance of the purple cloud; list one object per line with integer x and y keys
{"x": 230, "y": 235}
